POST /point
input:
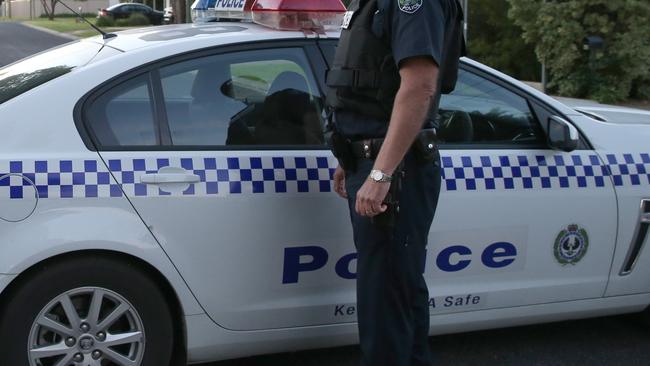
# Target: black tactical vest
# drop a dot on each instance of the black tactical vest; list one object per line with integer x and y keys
{"x": 364, "y": 77}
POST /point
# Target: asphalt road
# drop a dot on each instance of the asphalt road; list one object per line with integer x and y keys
{"x": 18, "y": 41}
{"x": 611, "y": 341}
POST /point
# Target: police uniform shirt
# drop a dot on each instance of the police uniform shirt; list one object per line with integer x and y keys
{"x": 414, "y": 28}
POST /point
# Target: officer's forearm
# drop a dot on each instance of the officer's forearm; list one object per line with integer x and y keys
{"x": 412, "y": 103}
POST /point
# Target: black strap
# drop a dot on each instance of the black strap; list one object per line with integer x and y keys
{"x": 355, "y": 78}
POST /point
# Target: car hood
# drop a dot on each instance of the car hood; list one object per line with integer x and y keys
{"x": 609, "y": 113}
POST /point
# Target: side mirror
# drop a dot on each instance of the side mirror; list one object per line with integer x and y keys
{"x": 562, "y": 135}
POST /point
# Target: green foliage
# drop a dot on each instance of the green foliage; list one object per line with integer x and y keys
{"x": 496, "y": 41}
{"x": 105, "y": 21}
{"x": 70, "y": 15}
{"x": 133, "y": 20}
{"x": 558, "y": 29}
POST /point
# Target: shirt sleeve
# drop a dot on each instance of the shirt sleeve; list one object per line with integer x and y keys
{"x": 416, "y": 29}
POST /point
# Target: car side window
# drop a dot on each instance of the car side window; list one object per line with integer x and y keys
{"x": 480, "y": 111}
{"x": 123, "y": 116}
{"x": 251, "y": 98}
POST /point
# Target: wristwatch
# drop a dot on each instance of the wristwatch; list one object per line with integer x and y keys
{"x": 380, "y": 177}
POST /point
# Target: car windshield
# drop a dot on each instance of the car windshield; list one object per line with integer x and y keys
{"x": 27, "y": 74}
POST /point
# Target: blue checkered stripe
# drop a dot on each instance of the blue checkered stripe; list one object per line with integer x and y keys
{"x": 232, "y": 175}
{"x": 629, "y": 169}
{"x": 515, "y": 172}
{"x": 57, "y": 179}
{"x": 252, "y": 175}
{"x": 241, "y": 175}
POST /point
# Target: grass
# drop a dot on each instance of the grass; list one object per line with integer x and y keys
{"x": 70, "y": 25}
{"x": 63, "y": 25}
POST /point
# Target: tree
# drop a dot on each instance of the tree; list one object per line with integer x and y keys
{"x": 496, "y": 41}
{"x": 558, "y": 30}
{"x": 48, "y": 6}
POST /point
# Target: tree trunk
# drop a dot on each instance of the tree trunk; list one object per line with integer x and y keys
{"x": 46, "y": 9}
{"x": 49, "y": 10}
{"x": 53, "y": 2}
{"x": 179, "y": 11}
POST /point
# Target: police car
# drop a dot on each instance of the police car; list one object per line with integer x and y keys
{"x": 166, "y": 193}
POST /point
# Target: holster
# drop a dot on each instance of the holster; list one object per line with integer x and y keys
{"x": 425, "y": 147}
{"x": 342, "y": 150}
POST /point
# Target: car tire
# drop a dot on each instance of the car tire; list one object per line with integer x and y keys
{"x": 145, "y": 328}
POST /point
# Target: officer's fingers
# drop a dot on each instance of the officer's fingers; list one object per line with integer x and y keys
{"x": 363, "y": 204}
{"x": 357, "y": 205}
{"x": 340, "y": 190}
{"x": 340, "y": 186}
{"x": 378, "y": 207}
{"x": 339, "y": 182}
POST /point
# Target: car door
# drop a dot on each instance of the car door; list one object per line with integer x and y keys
{"x": 518, "y": 223}
{"x": 222, "y": 154}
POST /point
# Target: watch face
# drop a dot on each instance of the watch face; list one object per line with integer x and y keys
{"x": 377, "y": 175}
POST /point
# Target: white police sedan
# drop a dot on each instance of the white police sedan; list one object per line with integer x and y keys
{"x": 165, "y": 194}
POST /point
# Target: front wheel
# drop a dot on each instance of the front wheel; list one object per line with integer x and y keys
{"x": 87, "y": 312}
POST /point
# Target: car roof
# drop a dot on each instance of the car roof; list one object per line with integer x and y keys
{"x": 196, "y": 35}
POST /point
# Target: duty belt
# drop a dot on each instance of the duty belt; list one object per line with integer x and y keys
{"x": 366, "y": 149}
{"x": 369, "y": 148}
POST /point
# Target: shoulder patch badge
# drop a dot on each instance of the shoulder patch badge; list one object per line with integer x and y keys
{"x": 410, "y": 6}
{"x": 571, "y": 245}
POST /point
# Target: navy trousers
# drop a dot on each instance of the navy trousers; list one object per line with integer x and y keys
{"x": 392, "y": 295}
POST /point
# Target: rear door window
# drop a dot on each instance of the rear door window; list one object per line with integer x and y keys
{"x": 124, "y": 115}
{"x": 260, "y": 97}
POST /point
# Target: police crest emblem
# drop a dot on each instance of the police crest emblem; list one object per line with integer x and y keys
{"x": 571, "y": 245}
{"x": 410, "y": 6}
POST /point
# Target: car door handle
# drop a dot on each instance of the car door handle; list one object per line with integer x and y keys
{"x": 645, "y": 218}
{"x": 162, "y": 178}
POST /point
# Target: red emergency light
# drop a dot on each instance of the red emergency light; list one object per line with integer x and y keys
{"x": 299, "y": 14}
{"x": 314, "y": 15}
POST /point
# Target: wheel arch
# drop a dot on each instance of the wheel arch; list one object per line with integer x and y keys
{"x": 170, "y": 294}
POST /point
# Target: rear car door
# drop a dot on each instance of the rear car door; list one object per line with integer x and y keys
{"x": 222, "y": 153}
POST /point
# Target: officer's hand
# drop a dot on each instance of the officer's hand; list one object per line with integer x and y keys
{"x": 339, "y": 182}
{"x": 370, "y": 198}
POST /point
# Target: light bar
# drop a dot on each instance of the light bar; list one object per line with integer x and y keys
{"x": 233, "y": 9}
{"x": 299, "y": 14}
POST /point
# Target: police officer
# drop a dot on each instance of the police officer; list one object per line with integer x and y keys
{"x": 394, "y": 59}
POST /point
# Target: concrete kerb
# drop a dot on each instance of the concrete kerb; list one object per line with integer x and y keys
{"x": 59, "y": 34}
